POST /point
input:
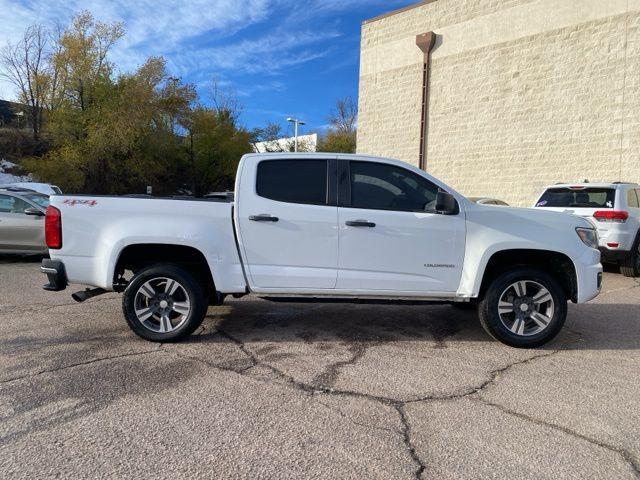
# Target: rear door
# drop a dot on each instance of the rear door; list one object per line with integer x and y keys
{"x": 18, "y": 231}
{"x": 391, "y": 239}
{"x": 288, "y": 221}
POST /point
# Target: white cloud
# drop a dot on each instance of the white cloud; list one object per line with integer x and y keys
{"x": 153, "y": 27}
{"x": 196, "y": 36}
{"x": 268, "y": 54}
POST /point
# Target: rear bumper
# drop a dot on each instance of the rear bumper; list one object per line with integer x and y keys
{"x": 613, "y": 256}
{"x": 56, "y": 274}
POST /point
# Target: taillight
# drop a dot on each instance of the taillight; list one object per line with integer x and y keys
{"x": 618, "y": 216}
{"x": 53, "y": 227}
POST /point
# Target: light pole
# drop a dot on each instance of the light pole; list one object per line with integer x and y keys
{"x": 295, "y": 122}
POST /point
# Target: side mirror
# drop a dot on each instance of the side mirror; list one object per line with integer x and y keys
{"x": 446, "y": 204}
{"x": 33, "y": 211}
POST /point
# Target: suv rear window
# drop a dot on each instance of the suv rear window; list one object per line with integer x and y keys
{"x": 589, "y": 197}
{"x": 293, "y": 181}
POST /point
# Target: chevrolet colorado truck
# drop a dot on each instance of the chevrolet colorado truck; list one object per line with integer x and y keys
{"x": 324, "y": 227}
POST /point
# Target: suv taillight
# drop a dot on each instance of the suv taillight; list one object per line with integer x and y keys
{"x": 618, "y": 216}
{"x": 53, "y": 227}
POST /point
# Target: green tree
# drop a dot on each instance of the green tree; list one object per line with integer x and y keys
{"x": 214, "y": 143}
{"x": 116, "y": 134}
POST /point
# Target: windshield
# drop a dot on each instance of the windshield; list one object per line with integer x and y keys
{"x": 41, "y": 200}
{"x": 578, "y": 197}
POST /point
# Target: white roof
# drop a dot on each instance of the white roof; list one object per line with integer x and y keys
{"x": 594, "y": 185}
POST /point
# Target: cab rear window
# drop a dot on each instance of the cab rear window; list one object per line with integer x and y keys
{"x": 589, "y": 197}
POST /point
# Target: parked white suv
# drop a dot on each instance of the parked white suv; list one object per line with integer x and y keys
{"x": 614, "y": 208}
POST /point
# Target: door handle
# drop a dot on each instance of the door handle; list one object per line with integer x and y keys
{"x": 264, "y": 217}
{"x": 359, "y": 223}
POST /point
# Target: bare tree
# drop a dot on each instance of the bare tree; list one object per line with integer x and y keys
{"x": 225, "y": 101}
{"x": 58, "y": 73}
{"x": 344, "y": 116}
{"x": 25, "y": 65}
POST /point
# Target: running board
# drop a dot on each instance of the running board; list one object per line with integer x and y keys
{"x": 87, "y": 294}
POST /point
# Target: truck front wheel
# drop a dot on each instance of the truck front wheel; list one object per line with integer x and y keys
{"x": 523, "y": 308}
{"x": 164, "y": 303}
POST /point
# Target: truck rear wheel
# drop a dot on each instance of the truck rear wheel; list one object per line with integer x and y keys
{"x": 164, "y": 303}
{"x": 523, "y": 308}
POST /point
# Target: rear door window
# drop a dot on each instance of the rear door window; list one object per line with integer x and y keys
{"x": 578, "y": 197}
{"x": 293, "y": 181}
{"x": 632, "y": 198}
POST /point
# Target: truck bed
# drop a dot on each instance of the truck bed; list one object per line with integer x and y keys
{"x": 96, "y": 229}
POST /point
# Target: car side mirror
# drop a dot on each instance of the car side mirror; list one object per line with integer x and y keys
{"x": 33, "y": 211}
{"x": 446, "y": 204}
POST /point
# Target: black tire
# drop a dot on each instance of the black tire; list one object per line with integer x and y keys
{"x": 491, "y": 320}
{"x": 630, "y": 267}
{"x": 190, "y": 292}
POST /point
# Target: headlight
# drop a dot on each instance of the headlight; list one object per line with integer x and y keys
{"x": 589, "y": 236}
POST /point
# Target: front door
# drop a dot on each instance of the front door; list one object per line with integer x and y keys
{"x": 390, "y": 237}
{"x": 288, "y": 222}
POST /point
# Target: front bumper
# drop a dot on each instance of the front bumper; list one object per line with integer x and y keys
{"x": 56, "y": 274}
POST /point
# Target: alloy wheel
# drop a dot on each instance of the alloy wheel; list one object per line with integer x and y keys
{"x": 162, "y": 305}
{"x": 526, "y": 308}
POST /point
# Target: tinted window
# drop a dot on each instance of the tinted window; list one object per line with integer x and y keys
{"x": 9, "y": 204}
{"x": 293, "y": 181}
{"x": 386, "y": 187}
{"x": 632, "y": 199}
{"x": 578, "y": 197}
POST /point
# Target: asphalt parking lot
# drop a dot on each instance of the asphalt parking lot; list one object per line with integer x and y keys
{"x": 270, "y": 390}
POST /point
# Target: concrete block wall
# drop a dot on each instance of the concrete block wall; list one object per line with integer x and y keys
{"x": 522, "y": 93}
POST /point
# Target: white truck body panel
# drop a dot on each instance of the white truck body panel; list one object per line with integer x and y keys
{"x": 299, "y": 252}
{"x": 97, "y": 229}
{"x": 310, "y": 251}
{"x": 491, "y": 230}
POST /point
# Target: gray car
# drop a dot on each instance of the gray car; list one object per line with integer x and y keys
{"x": 22, "y": 221}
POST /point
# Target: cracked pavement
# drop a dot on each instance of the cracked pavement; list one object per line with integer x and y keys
{"x": 267, "y": 390}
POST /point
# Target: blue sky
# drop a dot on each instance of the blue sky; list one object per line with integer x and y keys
{"x": 279, "y": 57}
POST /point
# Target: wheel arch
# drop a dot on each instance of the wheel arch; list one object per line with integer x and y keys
{"x": 136, "y": 256}
{"x": 557, "y": 264}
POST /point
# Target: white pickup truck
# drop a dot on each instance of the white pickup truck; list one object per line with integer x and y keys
{"x": 321, "y": 226}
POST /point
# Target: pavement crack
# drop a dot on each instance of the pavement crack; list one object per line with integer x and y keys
{"x": 328, "y": 377}
{"x": 79, "y": 364}
{"x": 351, "y": 420}
{"x": 493, "y": 377}
{"x": 625, "y": 454}
{"x": 406, "y": 435}
{"x": 311, "y": 389}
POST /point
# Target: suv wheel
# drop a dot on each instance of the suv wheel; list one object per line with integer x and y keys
{"x": 164, "y": 303}
{"x": 523, "y": 308}
{"x": 630, "y": 267}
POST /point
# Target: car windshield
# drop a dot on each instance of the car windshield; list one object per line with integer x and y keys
{"x": 41, "y": 200}
{"x": 578, "y": 197}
